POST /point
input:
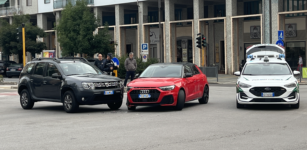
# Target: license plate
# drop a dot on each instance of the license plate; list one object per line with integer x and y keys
{"x": 13, "y": 69}
{"x": 267, "y": 94}
{"x": 144, "y": 96}
{"x": 108, "y": 92}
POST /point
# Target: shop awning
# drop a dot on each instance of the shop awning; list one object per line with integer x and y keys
{"x": 2, "y": 1}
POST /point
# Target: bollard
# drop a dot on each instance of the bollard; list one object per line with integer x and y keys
{"x": 301, "y": 73}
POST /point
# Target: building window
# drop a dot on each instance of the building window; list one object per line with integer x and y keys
{"x": 29, "y": 2}
{"x": 253, "y": 7}
{"x": 295, "y": 5}
{"x": 18, "y": 2}
{"x": 219, "y": 11}
{"x": 47, "y": 1}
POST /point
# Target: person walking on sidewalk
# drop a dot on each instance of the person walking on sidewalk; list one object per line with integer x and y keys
{"x": 300, "y": 63}
{"x": 99, "y": 61}
{"x": 130, "y": 66}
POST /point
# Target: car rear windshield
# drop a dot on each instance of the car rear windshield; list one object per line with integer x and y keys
{"x": 78, "y": 68}
{"x": 162, "y": 71}
{"x": 16, "y": 65}
{"x": 267, "y": 69}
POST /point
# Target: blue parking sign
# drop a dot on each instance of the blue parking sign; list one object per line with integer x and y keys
{"x": 280, "y": 35}
{"x": 280, "y": 43}
{"x": 144, "y": 48}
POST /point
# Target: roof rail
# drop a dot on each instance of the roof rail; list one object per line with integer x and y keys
{"x": 38, "y": 59}
{"x": 78, "y": 58}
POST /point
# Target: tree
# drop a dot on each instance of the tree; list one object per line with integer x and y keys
{"x": 75, "y": 31}
{"x": 8, "y": 36}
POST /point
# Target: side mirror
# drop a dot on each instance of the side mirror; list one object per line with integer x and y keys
{"x": 188, "y": 75}
{"x": 56, "y": 75}
{"x": 136, "y": 76}
{"x": 296, "y": 72}
{"x": 237, "y": 73}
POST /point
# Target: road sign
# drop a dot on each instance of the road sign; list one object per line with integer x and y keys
{"x": 280, "y": 43}
{"x": 280, "y": 35}
{"x": 116, "y": 61}
{"x": 144, "y": 48}
{"x": 304, "y": 72}
{"x": 144, "y": 58}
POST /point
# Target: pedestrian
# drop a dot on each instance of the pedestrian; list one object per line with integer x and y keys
{"x": 300, "y": 63}
{"x": 98, "y": 62}
{"x": 130, "y": 66}
{"x": 108, "y": 65}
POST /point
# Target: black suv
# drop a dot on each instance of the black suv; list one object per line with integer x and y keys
{"x": 72, "y": 82}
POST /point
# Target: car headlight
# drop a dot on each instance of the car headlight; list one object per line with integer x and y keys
{"x": 88, "y": 85}
{"x": 243, "y": 85}
{"x": 129, "y": 88}
{"x": 291, "y": 85}
{"x": 167, "y": 88}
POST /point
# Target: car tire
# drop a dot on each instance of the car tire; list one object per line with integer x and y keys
{"x": 115, "y": 105}
{"x": 180, "y": 100}
{"x": 296, "y": 106}
{"x": 25, "y": 100}
{"x": 239, "y": 105}
{"x": 205, "y": 98}
{"x": 69, "y": 102}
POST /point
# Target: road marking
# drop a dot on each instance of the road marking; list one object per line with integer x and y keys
{"x": 8, "y": 94}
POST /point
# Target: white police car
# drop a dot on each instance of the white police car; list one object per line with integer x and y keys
{"x": 266, "y": 78}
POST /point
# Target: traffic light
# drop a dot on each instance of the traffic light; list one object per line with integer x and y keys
{"x": 19, "y": 34}
{"x": 203, "y": 41}
{"x": 198, "y": 41}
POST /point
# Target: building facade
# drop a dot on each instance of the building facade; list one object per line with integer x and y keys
{"x": 230, "y": 27}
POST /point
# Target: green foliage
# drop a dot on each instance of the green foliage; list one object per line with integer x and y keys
{"x": 1, "y": 78}
{"x": 75, "y": 31}
{"x": 8, "y": 36}
{"x": 141, "y": 66}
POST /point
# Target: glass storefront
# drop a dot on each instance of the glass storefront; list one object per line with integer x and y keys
{"x": 293, "y": 51}
{"x": 184, "y": 50}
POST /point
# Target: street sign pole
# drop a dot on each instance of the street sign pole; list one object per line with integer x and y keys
{"x": 160, "y": 32}
{"x": 24, "y": 44}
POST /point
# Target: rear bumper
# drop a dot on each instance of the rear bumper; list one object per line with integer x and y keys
{"x": 166, "y": 98}
{"x": 12, "y": 73}
{"x": 94, "y": 97}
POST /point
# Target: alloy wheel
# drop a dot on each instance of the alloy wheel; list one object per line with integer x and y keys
{"x": 24, "y": 99}
{"x": 68, "y": 102}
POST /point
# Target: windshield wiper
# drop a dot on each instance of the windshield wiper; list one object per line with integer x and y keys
{"x": 73, "y": 74}
{"x": 88, "y": 73}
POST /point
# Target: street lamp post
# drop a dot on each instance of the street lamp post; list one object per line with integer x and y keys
{"x": 160, "y": 32}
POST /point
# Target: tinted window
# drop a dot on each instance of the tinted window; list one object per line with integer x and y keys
{"x": 187, "y": 69}
{"x": 28, "y": 68}
{"x": 39, "y": 69}
{"x": 78, "y": 68}
{"x": 162, "y": 71}
{"x": 266, "y": 69}
{"x": 52, "y": 69}
{"x": 195, "y": 70}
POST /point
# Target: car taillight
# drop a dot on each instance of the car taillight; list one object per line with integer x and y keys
{"x": 19, "y": 69}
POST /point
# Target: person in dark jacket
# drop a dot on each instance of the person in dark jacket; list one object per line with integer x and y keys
{"x": 108, "y": 65}
{"x": 99, "y": 61}
{"x": 130, "y": 66}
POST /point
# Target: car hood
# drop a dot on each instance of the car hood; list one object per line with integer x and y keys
{"x": 94, "y": 78}
{"x": 268, "y": 80}
{"x": 154, "y": 82}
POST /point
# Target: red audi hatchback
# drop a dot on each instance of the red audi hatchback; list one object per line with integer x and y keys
{"x": 168, "y": 85}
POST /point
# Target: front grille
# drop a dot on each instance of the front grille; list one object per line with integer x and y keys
{"x": 267, "y": 100}
{"x": 106, "y": 85}
{"x": 278, "y": 91}
{"x": 167, "y": 100}
{"x": 243, "y": 95}
{"x": 292, "y": 95}
{"x": 154, "y": 96}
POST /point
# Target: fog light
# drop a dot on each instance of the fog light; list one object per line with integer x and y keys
{"x": 82, "y": 98}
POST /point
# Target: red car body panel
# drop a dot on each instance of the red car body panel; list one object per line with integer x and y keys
{"x": 193, "y": 87}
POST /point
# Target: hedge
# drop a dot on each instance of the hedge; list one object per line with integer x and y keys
{"x": 141, "y": 66}
{"x": 1, "y": 78}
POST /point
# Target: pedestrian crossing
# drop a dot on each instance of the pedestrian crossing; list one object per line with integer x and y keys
{"x": 7, "y": 94}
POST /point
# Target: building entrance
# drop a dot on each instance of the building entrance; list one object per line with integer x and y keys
{"x": 293, "y": 51}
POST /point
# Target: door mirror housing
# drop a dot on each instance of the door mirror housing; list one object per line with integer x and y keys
{"x": 237, "y": 73}
{"x": 296, "y": 72}
{"x": 188, "y": 75}
{"x": 136, "y": 76}
{"x": 56, "y": 75}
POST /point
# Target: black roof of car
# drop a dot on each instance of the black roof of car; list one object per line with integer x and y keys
{"x": 58, "y": 60}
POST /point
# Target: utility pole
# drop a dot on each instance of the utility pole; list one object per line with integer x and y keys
{"x": 160, "y": 32}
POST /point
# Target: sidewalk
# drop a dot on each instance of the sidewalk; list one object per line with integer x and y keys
{"x": 232, "y": 79}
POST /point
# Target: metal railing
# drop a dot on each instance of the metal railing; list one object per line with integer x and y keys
{"x": 5, "y": 11}
{"x": 57, "y": 4}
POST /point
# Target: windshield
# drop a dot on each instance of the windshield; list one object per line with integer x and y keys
{"x": 170, "y": 71}
{"x": 78, "y": 68}
{"x": 16, "y": 65}
{"x": 267, "y": 69}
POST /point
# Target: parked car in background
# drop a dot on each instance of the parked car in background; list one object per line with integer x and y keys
{"x": 4, "y": 65}
{"x": 14, "y": 70}
{"x": 91, "y": 61}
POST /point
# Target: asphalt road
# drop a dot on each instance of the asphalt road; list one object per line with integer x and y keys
{"x": 216, "y": 125}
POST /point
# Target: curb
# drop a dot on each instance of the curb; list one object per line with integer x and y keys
{"x": 9, "y": 87}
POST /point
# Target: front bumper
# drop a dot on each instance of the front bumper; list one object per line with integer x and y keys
{"x": 93, "y": 97}
{"x": 290, "y": 96}
{"x": 165, "y": 98}
{"x": 13, "y": 73}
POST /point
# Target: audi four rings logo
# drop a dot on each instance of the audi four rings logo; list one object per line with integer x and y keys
{"x": 144, "y": 91}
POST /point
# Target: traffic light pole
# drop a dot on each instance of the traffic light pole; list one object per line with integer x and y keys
{"x": 24, "y": 45}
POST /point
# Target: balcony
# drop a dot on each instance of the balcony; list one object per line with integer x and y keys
{"x": 8, "y": 11}
{"x": 57, "y": 4}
